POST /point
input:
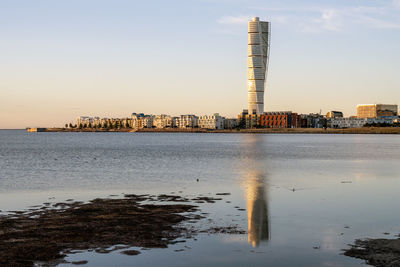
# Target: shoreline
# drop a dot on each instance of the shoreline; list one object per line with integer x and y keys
{"x": 364, "y": 130}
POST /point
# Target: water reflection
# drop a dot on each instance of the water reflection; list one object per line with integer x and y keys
{"x": 255, "y": 183}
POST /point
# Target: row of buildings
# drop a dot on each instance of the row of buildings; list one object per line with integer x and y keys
{"x": 367, "y": 114}
{"x": 370, "y": 114}
{"x": 375, "y": 114}
{"x": 283, "y": 119}
{"x": 141, "y": 120}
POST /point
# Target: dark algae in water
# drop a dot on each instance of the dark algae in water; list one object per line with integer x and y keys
{"x": 49, "y": 234}
{"x": 103, "y": 225}
{"x": 377, "y": 252}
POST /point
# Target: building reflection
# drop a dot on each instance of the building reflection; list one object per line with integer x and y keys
{"x": 255, "y": 183}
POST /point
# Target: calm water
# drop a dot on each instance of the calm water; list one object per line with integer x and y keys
{"x": 299, "y": 191}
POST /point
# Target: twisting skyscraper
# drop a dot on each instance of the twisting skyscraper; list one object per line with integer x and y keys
{"x": 257, "y": 63}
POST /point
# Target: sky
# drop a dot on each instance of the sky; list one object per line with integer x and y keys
{"x": 60, "y": 59}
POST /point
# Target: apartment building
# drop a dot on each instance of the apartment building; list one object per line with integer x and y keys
{"x": 162, "y": 121}
{"x": 211, "y": 122}
{"x": 231, "y": 123}
{"x": 376, "y": 110}
{"x": 187, "y": 121}
{"x": 285, "y": 119}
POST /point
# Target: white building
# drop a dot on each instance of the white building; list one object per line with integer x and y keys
{"x": 211, "y": 122}
{"x": 360, "y": 122}
{"x": 135, "y": 117}
{"x": 386, "y": 120}
{"x": 89, "y": 121}
{"x": 187, "y": 121}
{"x": 257, "y": 63}
{"x": 162, "y": 121}
{"x": 347, "y": 122}
{"x": 139, "y": 121}
{"x": 148, "y": 121}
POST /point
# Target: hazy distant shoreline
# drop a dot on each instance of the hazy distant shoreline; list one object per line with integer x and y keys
{"x": 364, "y": 130}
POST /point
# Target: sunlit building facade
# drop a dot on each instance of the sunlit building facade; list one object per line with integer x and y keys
{"x": 376, "y": 110}
{"x": 215, "y": 122}
{"x": 139, "y": 121}
{"x": 162, "y": 121}
{"x": 334, "y": 114}
{"x": 257, "y": 63}
{"x": 286, "y": 119}
{"x": 187, "y": 121}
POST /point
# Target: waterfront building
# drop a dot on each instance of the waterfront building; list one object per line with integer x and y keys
{"x": 135, "y": 118}
{"x": 313, "y": 120}
{"x": 187, "y": 121}
{"x": 257, "y": 63}
{"x": 139, "y": 121}
{"x": 211, "y": 122}
{"x": 354, "y": 122}
{"x": 376, "y": 110}
{"x": 86, "y": 121}
{"x": 147, "y": 121}
{"x": 334, "y": 114}
{"x": 175, "y": 122}
{"x": 285, "y": 119}
{"x": 126, "y": 122}
{"x": 97, "y": 122}
{"x": 249, "y": 121}
{"x": 347, "y": 122}
{"x": 162, "y": 121}
{"x": 231, "y": 123}
{"x": 382, "y": 120}
{"x": 82, "y": 120}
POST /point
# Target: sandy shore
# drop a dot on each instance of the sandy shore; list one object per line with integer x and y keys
{"x": 364, "y": 130}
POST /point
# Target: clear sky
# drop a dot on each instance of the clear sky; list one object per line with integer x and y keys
{"x": 63, "y": 58}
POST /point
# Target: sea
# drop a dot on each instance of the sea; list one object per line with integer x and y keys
{"x": 301, "y": 198}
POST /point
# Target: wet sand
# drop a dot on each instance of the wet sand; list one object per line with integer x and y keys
{"x": 48, "y": 233}
{"x": 377, "y": 252}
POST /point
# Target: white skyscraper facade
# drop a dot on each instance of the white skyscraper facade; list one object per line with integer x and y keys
{"x": 257, "y": 63}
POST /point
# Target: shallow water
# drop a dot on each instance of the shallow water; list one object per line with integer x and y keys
{"x": 305, "y": 196}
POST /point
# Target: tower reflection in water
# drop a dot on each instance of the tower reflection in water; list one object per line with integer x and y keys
{"x": 254, "y": 180}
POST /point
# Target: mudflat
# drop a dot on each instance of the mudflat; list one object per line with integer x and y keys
{"x": 48, "y": 233}
{"x": 377, "y": 252}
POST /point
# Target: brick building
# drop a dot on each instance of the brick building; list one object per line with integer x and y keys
{"x": 280, "y": 120}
